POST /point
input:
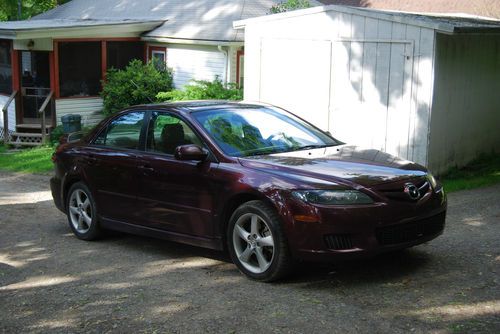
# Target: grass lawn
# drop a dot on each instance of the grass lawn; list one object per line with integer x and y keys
{"x": 34, "y": 160}
{"x": 481, "y": 172}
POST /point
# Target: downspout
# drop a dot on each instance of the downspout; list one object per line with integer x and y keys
{"x": 226, "y": 55}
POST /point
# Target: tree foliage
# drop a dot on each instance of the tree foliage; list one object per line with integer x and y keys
{"x": 289, "y": 5}
{"x": 203, "y": 90}
{"x": 138, "y": 83}
{"x": 29, "y": 8}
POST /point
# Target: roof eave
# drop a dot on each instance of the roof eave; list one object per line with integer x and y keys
{"x": 133, "y": 28}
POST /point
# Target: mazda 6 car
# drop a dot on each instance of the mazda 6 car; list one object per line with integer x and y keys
{"x": 254, "y": 180}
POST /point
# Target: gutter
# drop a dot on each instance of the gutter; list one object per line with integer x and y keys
{"x": 226, "y": 55}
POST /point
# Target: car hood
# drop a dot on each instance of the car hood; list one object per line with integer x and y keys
{"x": 338, "y": 164}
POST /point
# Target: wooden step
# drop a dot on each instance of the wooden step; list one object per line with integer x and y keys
{"x": 15, "y": 143}
{"x": 30, "y": 128}
{"x": 26, "y": 134}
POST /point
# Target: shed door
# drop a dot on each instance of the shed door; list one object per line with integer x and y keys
{"x": 371, "y": 93}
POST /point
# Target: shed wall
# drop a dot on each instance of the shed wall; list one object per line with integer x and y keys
{"x": 368, "y": 81}
{"x": 466, "y": 103}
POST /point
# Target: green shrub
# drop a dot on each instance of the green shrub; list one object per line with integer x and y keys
{"x": 56, "y": 134}
{"x": 138, "y": 83}
{"x": 289, "y": 5}
{"x": 203, "y": 90}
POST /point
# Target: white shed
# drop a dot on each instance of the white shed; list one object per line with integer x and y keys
{"x": 426, "y": 88}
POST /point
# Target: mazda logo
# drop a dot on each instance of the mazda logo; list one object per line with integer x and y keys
{"x": 412, "y": 191}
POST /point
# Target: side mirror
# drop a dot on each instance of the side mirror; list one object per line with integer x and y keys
{"x": 190, "y": 152}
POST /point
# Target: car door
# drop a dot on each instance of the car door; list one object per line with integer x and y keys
{"x": 112, "y": 167}
{"x": 174, "y": 195}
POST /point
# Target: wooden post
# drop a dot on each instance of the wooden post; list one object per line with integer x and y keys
{"x": 42, "y": 111}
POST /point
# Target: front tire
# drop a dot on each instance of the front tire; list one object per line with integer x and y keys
{"x": 257, "y": 243}
{"x": 82, "y": 213}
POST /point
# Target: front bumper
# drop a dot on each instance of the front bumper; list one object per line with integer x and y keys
{"x": 344, "y": 233}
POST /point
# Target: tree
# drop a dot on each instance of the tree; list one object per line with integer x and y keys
{"x": 29, "y": 8}
{"x": 289, "y": 5}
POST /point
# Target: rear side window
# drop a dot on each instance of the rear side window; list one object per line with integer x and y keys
{"x": 123, "y": 132}
{"x": 166, "y": 132}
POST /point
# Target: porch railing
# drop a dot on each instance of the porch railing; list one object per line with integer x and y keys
{"x": 5, "y": 111}
{"x": 42, "y": 113}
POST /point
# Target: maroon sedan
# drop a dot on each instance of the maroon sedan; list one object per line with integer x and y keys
{"x": 259, "y": 181}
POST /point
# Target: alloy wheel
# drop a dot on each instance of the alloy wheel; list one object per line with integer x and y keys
{"x": 253, "y": 243}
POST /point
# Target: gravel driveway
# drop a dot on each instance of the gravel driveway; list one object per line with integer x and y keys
{"x": 51, "y": 282}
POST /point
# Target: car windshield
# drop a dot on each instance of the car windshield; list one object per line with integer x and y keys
{"x": 243, "y": 132}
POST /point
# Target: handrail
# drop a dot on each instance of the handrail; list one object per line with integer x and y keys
{"x": 5, "y": 111}
{"x": 42, "y": 111}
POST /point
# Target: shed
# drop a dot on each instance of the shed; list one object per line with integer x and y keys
{"x": 422, "y": 87}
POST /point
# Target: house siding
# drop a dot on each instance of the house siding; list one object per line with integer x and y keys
{"x": 11, "y": 115}
{"x": 466, "y": 104}
{"x": 89, "y": 108}
{"x": 195, "y": 62}
{"x": 367, "y": 80}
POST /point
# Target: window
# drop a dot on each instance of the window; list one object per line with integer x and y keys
{"x": 5, "y": 68}
{"x": 80, "y": 68}
{"x": 124, "y": 132}
{"x": 166, "y": 132}
{"x": 240, "y": 71}
{"x": 158, "y": 55}
{"x": 119, "y": 54}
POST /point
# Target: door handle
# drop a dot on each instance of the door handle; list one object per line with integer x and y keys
{"x": 91, "y": 160}
{"x": 147, "y": 168}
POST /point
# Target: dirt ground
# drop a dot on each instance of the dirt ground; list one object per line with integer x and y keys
{"x": 50, "y": 282}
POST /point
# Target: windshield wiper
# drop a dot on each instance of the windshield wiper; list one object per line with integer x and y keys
{"x": 310, "y": 147}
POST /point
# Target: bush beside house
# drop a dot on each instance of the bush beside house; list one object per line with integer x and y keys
{"x": 137, "y": 84}
{"x": 203, "y": 90}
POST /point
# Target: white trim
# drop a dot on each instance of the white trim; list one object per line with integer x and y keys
{"x": 190, "y": 41}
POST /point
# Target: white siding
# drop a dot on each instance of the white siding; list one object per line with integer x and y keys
{"x": 89, "y": 108}
{"x": 466, "y": 104}
{"x": 11, "y": 114}
{"x": 195, "y": 62}
{"x": 377, "y": 73}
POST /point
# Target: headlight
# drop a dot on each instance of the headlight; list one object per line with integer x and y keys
{"x": 332, "y": 197}
{"x": 432, "y": 180}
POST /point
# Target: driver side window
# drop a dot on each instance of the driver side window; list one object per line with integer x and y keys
{"x": 166, "y": 132}
{"x": 123, "y": 132}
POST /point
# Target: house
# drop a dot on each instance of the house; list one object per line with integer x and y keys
{"x": 67, "y": 50}
{"x": 423, "y": 87}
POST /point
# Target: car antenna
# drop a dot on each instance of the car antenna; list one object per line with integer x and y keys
{"x": 137, "y": 86}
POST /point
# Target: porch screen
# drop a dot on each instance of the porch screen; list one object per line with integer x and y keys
{"x": 79, "y": 69}
{"x": 5, "y": 68}
{"x": 121, "y": 53}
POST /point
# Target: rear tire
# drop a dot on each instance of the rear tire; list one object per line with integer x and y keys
{"x": 82, "y": 213}
{"x": 257, "y": 242}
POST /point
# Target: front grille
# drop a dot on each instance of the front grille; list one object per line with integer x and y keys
{"x": 396, "y": 191}
{"x": 396, "y": 234}
{"x": 338, "y": 241}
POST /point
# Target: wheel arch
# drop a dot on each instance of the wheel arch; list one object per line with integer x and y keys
{"x": 236, "y": 201}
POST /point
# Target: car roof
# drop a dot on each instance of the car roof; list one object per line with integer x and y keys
{"x": 200, "y": 105}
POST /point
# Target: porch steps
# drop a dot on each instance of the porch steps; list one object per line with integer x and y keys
{"x": 28, "y": 135}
